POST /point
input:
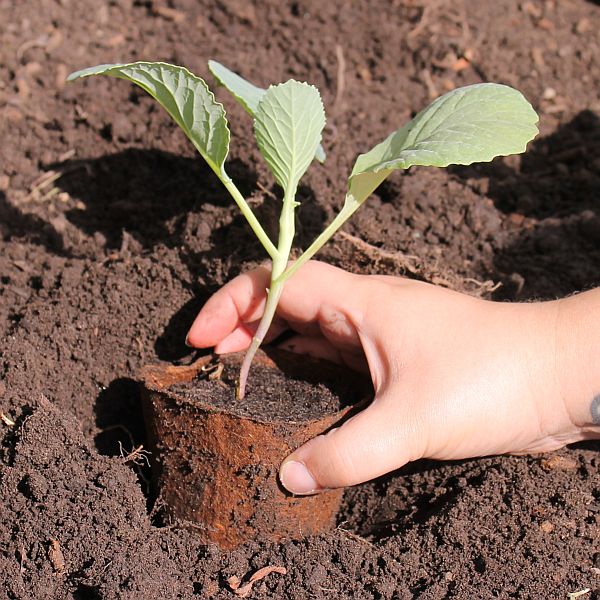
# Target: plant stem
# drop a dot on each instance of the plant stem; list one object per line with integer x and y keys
{"x": 345, "y": 213}
{"x": 252, "y": 220}
{"x": 358, "y": 193}
{"x": 279, "y": 264}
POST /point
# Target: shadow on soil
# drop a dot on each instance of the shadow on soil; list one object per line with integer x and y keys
{"x": 14, "y": 223}
{"x": 558, "y": 175}
{"x": 144, "y": 192}
{"x": 152, "y": 195}
{"x": 170, "y": 346}
{"x": 401, "y": 506}
{"x": 556, "y": 194}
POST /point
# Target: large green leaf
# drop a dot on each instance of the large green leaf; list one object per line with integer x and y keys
{"x": 288, "y": 125}
{"x": 470, "y": 124}
{"x": 246, "y": 93}
{"x": 185, "y": 97}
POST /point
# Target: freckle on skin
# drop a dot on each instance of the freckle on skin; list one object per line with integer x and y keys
{"x": 595, "y": 410}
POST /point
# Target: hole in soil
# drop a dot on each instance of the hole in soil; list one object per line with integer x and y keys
{"x": 119, "y": 416}
{"x": 479, "y": 564}
{"x": 36, "y": 283}
{"x": 87, "y": 592}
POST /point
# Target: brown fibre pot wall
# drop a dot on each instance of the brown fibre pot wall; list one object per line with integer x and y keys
{"x": 219, "y": 470}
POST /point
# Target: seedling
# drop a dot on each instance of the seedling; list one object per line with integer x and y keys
{"x": 470, "y": 124}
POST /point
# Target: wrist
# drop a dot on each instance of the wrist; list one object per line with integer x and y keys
{"x": 577, "y": 364}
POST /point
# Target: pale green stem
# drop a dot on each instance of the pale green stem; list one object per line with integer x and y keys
{"x": 361, "y": 189}
{"x": 349, "y": 208}
{"x": 252, "y": 220}
{"x": 280, "y": 260}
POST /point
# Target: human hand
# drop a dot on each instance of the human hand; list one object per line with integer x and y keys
{"x": 454, "y": 376}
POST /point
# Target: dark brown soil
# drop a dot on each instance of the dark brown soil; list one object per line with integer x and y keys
{"x": 113, "y": 233}
{"x": 275, "y": 394}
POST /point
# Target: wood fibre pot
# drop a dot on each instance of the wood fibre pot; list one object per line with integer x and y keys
{"x": 219, "y": 470}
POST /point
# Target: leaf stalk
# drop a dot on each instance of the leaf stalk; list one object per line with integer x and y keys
{"x": 245, "y": 209}
{"x": 287, "y": 231}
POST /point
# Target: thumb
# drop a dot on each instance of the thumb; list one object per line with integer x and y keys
{"x": 374, "y": 442}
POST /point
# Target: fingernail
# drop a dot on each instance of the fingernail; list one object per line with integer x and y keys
{"x": 296, "y": 478}
{"x": 187, "y": 343}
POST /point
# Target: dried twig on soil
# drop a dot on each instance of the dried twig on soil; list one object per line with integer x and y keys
{"x": 558, "y": 463}
{"x": 137, "y": 456}
{"x": 6, "y": 420}
{"x": 43, "y": 181}
{"x": 484, "y": 287}
{"x": 213, "y": 371}
{"x": 170, "y": 14}
{"x": 39, "y": 42}
{"x": 574, "y": 595}
{"x": 266, "y": 191}
{"x": 429, "y": 84}
{"x": 341, "y": 78}
{"x": 56, "y": 557}
{"x": 423, "y": 21}
{"x": 243, "y": 591}
{"x": 404, "y": 261}
{"x": 22, "y": 558}
{"x": 354, "y": 536}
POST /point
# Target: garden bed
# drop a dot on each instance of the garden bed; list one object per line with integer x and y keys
{"x": 113, "y": 233}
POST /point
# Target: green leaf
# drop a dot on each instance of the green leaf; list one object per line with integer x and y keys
{"x": 471, "y": 124}
{"x": 185, "y": 97}
{"x": 246, "y": 93}
{"x": 288, "y": 125}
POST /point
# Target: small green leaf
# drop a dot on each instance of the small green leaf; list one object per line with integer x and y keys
{"x": 471, "y": 124}
{"x": 288, "y": 125}
{"x": 185, "y": 97}
{"x": 246, "y": 93}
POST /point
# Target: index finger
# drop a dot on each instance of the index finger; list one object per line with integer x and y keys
{"x": 317, "y": 293}
{"x": 241, "y": 300}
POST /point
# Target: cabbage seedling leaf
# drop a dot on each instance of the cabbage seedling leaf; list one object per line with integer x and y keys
{"x": 185, "y": 97}
{"x": 288, "y": 124}
{"x": 471, "y": 124}
{"x": 246, "y": 93}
